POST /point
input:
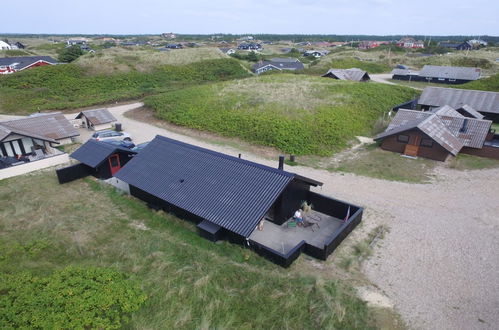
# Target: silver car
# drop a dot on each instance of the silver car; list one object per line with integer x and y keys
{"x": 108, "y": 135}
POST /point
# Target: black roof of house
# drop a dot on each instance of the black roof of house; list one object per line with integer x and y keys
{"x": 21, "y": 62}
{"x": 481, "y": 101}
{"x": 93, "y": 153}
{"x": 280, "y": 65}
{"x": 450, "y": 72}
{"x": 228, "y": 191}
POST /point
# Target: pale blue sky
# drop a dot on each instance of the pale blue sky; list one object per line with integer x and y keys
{"x": 381, "y": 17}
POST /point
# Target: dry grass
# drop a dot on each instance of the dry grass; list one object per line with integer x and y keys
{"x": 290, "y": 92}
{"x": 190, "y": 282}
{"x": 116, "y": 59}
{"x": 394, "y": 58}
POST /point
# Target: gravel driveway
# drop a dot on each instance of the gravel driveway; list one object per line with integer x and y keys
{"x": 439, "y": 264}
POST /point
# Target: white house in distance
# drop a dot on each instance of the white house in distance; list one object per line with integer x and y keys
{"x": 97, "y": 119}
{"x": 228, "y": 51}
{"x": 4, "y": 45}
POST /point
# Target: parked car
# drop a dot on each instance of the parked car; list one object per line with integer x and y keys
{"x": 107, "y": 135}
{"x": 125, "y": 143}
{"x": 140, "y": 146}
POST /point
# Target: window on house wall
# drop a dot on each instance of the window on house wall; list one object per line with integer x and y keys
{"x": 403, "y": 138}
{"x": 8, "y": 149}
{"x": 452, "y": 79}
{"x": 428, "y": 143}
{"x": 27, "y": 144}
{"x": 441, "y": 79}
{"x": 16, "y": 146}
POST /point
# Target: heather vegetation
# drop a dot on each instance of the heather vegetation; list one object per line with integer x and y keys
{"x": 70, "y": 86}
{"x": 294, "y": 113}
{"x": 487, "y": 84}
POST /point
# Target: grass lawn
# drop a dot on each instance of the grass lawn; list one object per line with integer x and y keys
{"x": 294, "y": 113}
{"x": 189, "y": 281}
{"x": 469, "y": 162}
{"x": 375, "y": 162}
{"x": 496, "y": 127}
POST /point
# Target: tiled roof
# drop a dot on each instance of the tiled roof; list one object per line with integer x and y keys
{"x": 449, "y": 126}
{"x": 49, "y": 126}
{"x": 97, "y": 116}
{"x": 470, "y": 112}
{"x": 447, "y": 110}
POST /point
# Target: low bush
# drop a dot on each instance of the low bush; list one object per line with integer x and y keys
{"x": 70, "y": 298}
{"x": 472, "y": 62}
{"x": 347, "y": 63}
{"x": 294, "y": 113}
{"x": 69, "y": 86}
{"x": 490, "y": 84}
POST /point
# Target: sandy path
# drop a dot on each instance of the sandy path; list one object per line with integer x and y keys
{"x": 439, "y": 264}
{"x": 384, "y": 78}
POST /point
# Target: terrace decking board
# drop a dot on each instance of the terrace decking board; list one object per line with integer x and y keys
{"x": 284, "y": 239}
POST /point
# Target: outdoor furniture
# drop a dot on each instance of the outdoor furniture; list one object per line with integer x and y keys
{"x": 37, "y": 155}
{"x": 292, "y": 224}
{"x": 310, "y": 224}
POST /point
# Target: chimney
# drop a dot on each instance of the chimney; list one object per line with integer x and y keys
{"x": 281, "y": 162}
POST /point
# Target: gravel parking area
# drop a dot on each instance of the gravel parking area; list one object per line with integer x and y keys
{"x": 439, "y": 264}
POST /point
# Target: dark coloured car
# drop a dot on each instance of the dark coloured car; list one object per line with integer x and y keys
{"x": 125, "y": 143}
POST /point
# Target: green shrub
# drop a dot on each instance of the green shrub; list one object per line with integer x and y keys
{"x": 266, "y": 110}
{"x": 472, "y": 62}
{"x": 69, "y": 86}
{"x": 347, "y": 63}
{"x": 74, "y": 297}
{"x": 70, "y": 54}
{"x": 14, "y": 52}
{"x": 487, "y": 84}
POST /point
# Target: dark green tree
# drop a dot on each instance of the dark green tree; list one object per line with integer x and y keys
{"x": 252, "y": 57}
{"x": 70, "y": 54}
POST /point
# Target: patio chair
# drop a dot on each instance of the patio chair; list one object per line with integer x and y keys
{"x": 292, "y": 224}
{"x": 38, "y": 154}
{"x": 307, "y": 223}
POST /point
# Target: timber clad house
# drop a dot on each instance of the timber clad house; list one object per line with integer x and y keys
{"x": 291, "y": 64}
{"x": 458, "y": 46}
{"x": 227, "y": 197}
{"x": 439, "y": 74}
{"x": 28, "y": 144}
{"x": 410, "y": 43}
{"x": 439, "y": 133}
{"x": 14, "y": 64}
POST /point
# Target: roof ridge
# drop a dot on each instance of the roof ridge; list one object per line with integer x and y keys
{"x": 222, "y": 155}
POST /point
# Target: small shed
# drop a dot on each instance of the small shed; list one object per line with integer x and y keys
{"x": 100, "y": 159}
{"x": 97, "y": 119}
